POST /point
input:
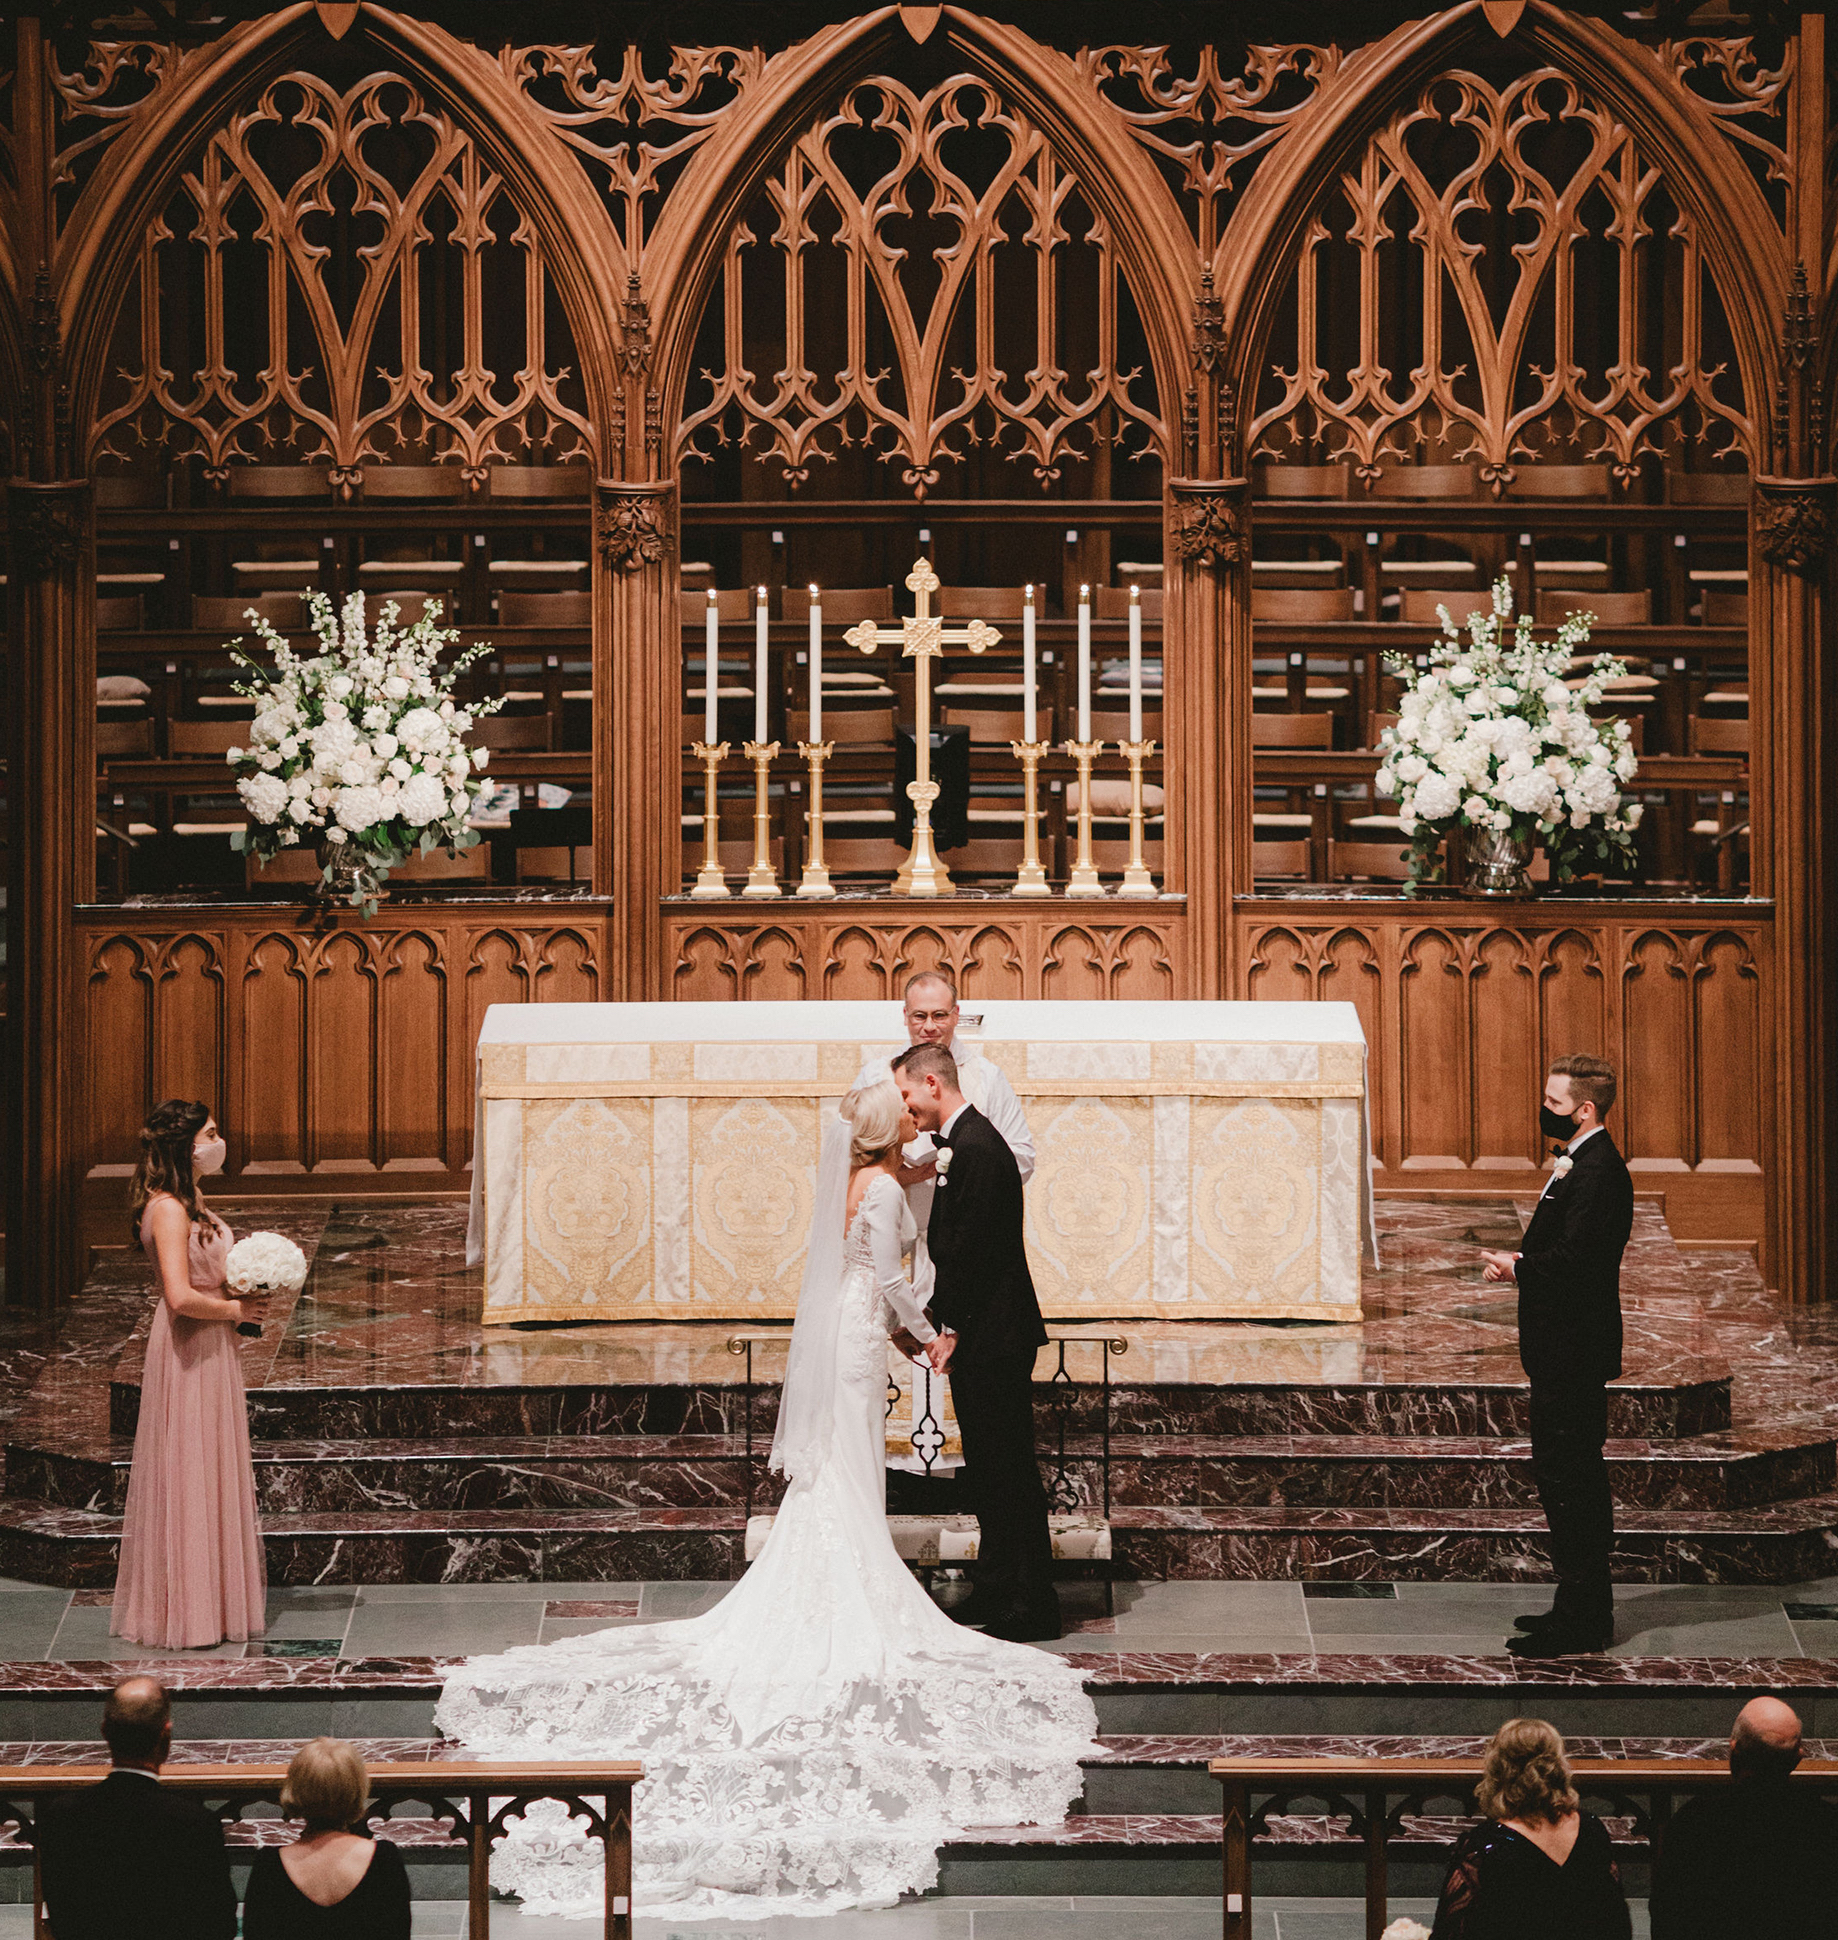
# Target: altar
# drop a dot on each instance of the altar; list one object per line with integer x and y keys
{"x": 658, "y": 1161}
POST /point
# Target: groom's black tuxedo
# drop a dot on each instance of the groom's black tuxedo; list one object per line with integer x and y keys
{"x": 984, "y": 1293}
{"x": 1569, "y": 1278}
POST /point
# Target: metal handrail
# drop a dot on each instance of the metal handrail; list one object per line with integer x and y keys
{"x": 473, "y": 1798}
{"x": 1366, "y": 1788}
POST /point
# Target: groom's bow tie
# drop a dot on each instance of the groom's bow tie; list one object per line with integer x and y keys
{"x": 939, "y": 1138}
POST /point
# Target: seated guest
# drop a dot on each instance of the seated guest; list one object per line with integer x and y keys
{"x": 331, "y": 1883}
{"x": 1537, "y": 1866}
{"x": 127, "y": 1859}
{"x": 1760, "y": 1859}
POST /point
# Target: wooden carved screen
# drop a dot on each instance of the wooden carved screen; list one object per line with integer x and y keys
{"x": 1502, "y": 276}
{"x": 341, "y": 278}
{"x": 922, "y": 299}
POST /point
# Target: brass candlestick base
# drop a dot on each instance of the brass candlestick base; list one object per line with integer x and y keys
{"x": 815, "y": 881}
{"x": 1083, "y": 880}
{"x": 1136, "y": 878}
{"x": 760, "y": 879}
{"x": 1031, "y": 879}
{"x": 922, "y": 874}
{"x": 709, "y": 879}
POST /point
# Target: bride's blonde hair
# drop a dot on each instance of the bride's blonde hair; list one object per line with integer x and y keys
{"x": 873, "y": 1115}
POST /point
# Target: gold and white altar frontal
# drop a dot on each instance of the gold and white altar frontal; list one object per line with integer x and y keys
{"x": 659, "y": 1161}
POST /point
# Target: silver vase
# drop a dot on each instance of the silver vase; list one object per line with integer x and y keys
{"x": 1498, "y": 861}
{"x": 352, "y": 877}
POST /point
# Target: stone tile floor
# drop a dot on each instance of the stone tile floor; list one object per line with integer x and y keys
{"x": 1402, "y": 1619}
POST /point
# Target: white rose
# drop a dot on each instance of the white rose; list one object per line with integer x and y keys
{"x": 384, "y": 746}
{"x": 460, "y": 766}
{"x": 396, "y": 688}
{"x": 1385, "y": 783}
{"x": 1476, "y": 809}
{"x": 446, "y": 710}
{"x": 479, "y": 758}
{"x": 461, "y": 801}
{"x": 1413, "y": 768}
{"x": 300, "y": 809}
{"x": 400, "y": 769}
{"x": 354, "y": 773}
{"x": 1461, "y": 676}
{"x": 339, "y": 686}
{"x": 335, "y": 834}
{"x": 289, "y": 747}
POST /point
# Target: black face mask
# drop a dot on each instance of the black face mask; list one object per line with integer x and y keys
{"x": 1554, "y": 1124}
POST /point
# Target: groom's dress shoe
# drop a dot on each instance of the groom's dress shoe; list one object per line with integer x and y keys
{"x": 1023, "y": 1629}
{"x": 1550, "y": 1640}
{"x": 1535, "y": 1620}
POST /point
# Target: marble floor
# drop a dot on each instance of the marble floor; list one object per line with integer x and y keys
{"x": 1364, "y": 1618}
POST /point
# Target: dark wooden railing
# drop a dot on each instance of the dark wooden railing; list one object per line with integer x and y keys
{"x": 1376, "y": 1796}
{"x": 473, "y": 1800}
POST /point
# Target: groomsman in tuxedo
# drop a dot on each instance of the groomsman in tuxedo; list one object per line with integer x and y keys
{"x": 1568, "y": 1272}
{"x": 990, "y": 1330}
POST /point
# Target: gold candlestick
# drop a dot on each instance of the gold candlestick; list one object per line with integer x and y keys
{"x": 1083, "y": 880}
{"x": 923, "y": 636}
{"x": 1032, "y": 878}
{"x": 709, "y": 879}
{"x": 760, "y": 879}
{"x": 816, "y": 878}
{"x": 1136, "y": 878}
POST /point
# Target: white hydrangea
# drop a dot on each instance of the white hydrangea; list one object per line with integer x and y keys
{"x": 264, "y": 795}
{"x": 422, "y": 800}
{"x": 421, "y": 727}
{"x": 359, "y": 808}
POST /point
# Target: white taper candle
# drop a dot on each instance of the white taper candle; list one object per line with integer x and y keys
{"x": 1027, "y": 665}
{"x": 1084, "y": 663}
{"x": 816, "y": 665}
{"x": 1135, "y": 664}
{"x": 711, "y": 660}
{"x": 759, "y": 666}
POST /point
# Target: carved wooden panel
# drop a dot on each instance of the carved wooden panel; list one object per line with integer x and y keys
{"x": 1020, "y": 953}
{"x": 336, "y": 1058}
{"x": 1464, "y": 1008}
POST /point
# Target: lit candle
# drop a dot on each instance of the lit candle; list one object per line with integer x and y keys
{"x": 1135, "y": 664}
{"x": 711, "y": 660}
{"x": 759, "y": 669}
{"x": 816, "y": 665}
{"x": 1027, "y": 662}
{"x": 1084, "y": 663}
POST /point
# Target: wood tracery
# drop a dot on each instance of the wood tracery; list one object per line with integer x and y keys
{"x": 370, "y": 293}
{"x": 1502, "y": 276}
{"x": 937, "y": 281}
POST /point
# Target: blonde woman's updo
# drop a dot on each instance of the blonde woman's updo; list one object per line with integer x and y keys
{"x": 1525, "y": 1774}
{"x": 874, "y": 1115}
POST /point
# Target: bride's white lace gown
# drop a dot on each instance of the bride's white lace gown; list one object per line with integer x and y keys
{"x": 811, "y": 1741}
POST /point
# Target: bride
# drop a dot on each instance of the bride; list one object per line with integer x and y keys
{"x": 809, "y": 1742}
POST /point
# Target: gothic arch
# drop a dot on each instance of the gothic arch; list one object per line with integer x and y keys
{"x": 142, "y": 171}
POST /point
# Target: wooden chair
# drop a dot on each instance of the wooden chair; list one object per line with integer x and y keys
{"x": 284, "y": 611}
{"x": 470, "y": 865}
{"x": 125, "y": 492}
{"x": 976, "y": 603}
{"x": 1373, "y": 861}
{"x": 1719, "y": 734}
{"x": 1279, "y": 859}
{"x": 1426, "y": 481}
{"x": 1302, "y": 605}
{"x": 983, "y": 857}
{"x": 280, "y": 481}
{"x": 124, "y": 740}
{"x": 205, "y": 737}
{"x": 1113, "y": 724}
{"x": 867, "y": 855}
{"x": 1299, "y": 481}
{"x": 528, "y": 733}
{"x": 1417, "y": 604}
{"x": 1113, "y": 602}
{"x": 1559, "y": 481}
{"x": 540, "y": 482}
{"x": 1292, "y": 730}
{"x": 289, "y": 866}
{"x": 734, "y": 604}
{"x": 118, "y": 613}
{"x": 1721, "y": 607}
{"x": 573, "y": 609}
{"x": 861, "y": 727}
{"x": 1707, "y": 488}
{"x": 414, "y": 482}
{"x": 1376, "y": 724}
{"x": 557, "y": 864}
{"x": 1112, "y": 858}
{"x": 1610, "y": 609}
{"x": 844, "y": 604}
{"x": 996, "y": 728}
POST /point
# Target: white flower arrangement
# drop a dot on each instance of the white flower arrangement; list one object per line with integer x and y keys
{"x": 942, "y": 1164}
{"x": 266, "y": 1260}
{"x": 361, "y": 746}
{"x": 1491, "y": 736}
{"x": 1561, "y": 1164}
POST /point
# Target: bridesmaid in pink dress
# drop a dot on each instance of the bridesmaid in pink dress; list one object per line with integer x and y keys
{"x": 192, "y": 1570}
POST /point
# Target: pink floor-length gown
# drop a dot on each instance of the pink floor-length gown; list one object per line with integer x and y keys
{"x": 192, "y": 1570}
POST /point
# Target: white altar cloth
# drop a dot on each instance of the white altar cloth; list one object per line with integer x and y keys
{"x": 658, "y": 1161}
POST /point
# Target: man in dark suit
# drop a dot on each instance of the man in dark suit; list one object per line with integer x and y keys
{"x": 1568, "y": 1271}
{"x": 126, "y": 1859}
{"x": 990, "y": 1331}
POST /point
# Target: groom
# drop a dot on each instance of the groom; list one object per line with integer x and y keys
{"x": 989, "y": 1332}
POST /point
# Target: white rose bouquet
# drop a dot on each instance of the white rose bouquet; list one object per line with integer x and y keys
{"x": 360, "y": 747}
{"x": 268, "y": 1262}
{"x": 1491, "y": 737}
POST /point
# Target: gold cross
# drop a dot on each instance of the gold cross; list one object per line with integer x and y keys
{"x": 923, "y": 636}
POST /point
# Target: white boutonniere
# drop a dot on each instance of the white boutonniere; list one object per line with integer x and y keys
{"x": 1561, "y": 1165}
{"x": 942, "y": 1164}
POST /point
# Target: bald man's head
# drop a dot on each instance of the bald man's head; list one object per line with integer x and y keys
{"x": 137, "y": 1721}
{"x": 1766, "y": 1740}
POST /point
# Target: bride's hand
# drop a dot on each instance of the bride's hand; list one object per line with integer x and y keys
{"x": 912, "y": 1175}
{"x": 908, "y": 1344}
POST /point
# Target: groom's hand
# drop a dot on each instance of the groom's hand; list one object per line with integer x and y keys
{"x": 1499, "y": 1266}
{"x": 909, "y": 1345}
{"x": 939, "y": 1352}
{"x": 912, "y": 1175}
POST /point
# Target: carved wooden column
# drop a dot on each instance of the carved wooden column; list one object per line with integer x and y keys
{"x": 50, "y": 745}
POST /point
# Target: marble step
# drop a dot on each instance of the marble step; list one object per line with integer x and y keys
{"x": 1779, "y": 1543}
{"x": 1648, "y": 1408}
{"x": 1156, "y": 1709}
{"x": 588, "y": 1472}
